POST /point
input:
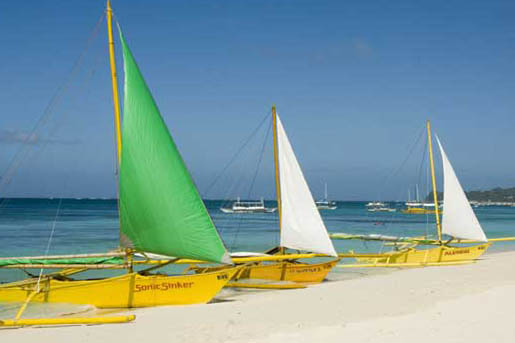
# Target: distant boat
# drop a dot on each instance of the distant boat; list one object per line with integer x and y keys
{"x": 413, "y": 207}
{"x": 375, "y": 204}
{"x": 417, "y": 206}
{"x": 379, "y": 206}
{"x": 326, "y": 204}
{"x": 381, "y": 209}
{"x": 248, "y": 207}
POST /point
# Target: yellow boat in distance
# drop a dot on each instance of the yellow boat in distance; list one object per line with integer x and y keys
{"x": 300, "y": 225}
{"x": 419, "y": 209}
{"x": 160, "y": 212}
{"x": 458, "y": 223}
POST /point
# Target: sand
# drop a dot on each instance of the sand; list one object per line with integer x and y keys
{"x": 466, "y": 303}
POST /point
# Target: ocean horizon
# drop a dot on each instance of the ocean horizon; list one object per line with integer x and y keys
{"x": 91, "y": 225}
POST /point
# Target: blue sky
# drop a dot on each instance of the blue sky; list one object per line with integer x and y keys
{"x": 353, "y": 81}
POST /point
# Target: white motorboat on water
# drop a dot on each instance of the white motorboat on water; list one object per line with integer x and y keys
{"x": 378, "y": 206}
{"x": 381, "y": 209}
{"x": 248, "y": 207}
{"x": 375, "y": 204}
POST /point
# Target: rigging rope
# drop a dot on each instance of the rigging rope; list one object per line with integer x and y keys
{"x": 252, "y": 182}
{"x": 392, "y": 215}
{"x": 22, "y": 153}
{"x": 260, "y": 159}
{"x": 396, "y": 171}
{"x": 235, "y": 183}
{"x": 49, "y": 242}
{"x": 32, "y": 142}
{"x": 238, "y": 152}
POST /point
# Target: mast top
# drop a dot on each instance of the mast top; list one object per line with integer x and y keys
{"x": 116, "y": 101}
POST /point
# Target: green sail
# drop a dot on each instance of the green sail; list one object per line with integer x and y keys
{"x": 161, "y": 211}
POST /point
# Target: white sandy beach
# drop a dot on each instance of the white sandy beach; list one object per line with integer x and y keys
{"x": 466, "y": 303}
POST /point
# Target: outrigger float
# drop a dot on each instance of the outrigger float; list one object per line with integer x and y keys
{"x": 459, "y": 223}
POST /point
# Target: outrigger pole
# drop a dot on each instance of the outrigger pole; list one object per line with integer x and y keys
{"x": 75, "y": 268}
{"x": 66, "y": 321}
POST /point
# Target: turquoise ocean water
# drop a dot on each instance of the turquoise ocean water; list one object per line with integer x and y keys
{"x": 88, "y": 226}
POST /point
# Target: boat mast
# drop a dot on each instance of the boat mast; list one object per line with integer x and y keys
{"x": 276, "y": 163}
{"x": 115, "y": 83}
{"x": 325, "y": 191}
{"x": 116, "y": 104}
{"x": 435, "y": 196}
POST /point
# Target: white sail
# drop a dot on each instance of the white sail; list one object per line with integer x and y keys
{"x": 302, "y": 227}
{"x": 459, "y": 219}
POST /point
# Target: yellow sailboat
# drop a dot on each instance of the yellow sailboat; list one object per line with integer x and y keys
{"x": 160, "y": 211}
{"x": 459, "y": 224}
{"x": 300, "y": 224}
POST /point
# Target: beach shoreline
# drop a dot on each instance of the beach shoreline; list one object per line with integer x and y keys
{"x": 451, "y": 303}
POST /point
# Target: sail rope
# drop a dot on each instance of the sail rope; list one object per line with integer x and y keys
{"x": 30, "y": 139}
{"x": 235, "y": 183}
{"x": 403, "y": 163}
{"x": 251, "y": 186}
{"x": 119, "y": 85}
{"x": 427, "y": 187}
{"x": 237, "y": 154}
{"x": 390, "y": 176}
{"x": 422, "y": 165}
{"x": 38, "y": 289}
{"x": 258, "y": 166}
{"x": 32, "y": 143}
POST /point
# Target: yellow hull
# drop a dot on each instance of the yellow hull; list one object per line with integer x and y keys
{"x": 439, "y": 254}
{"x": 284, "y": 271}
{"x": 417, "y": 210}
{"x": 126, "y": 291}
{"x": 288, "y": 271}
